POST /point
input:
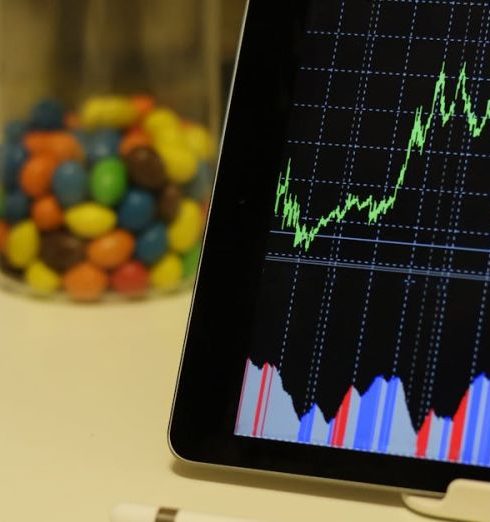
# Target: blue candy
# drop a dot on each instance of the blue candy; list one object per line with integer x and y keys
{"x": 200, "y": 186}
{"x": 137, "y": 210}
{"x": 152, "y": 244}
{"x": 70, "y": 183}
{"x": 15, "y": 130}
{"x": 47, "y": 115}
{"x": 16, "y": 206}
{"x": 13, "y": 156}
{"x": 102, "y": 144}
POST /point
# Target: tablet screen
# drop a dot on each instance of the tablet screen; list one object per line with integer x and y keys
{"x": 371, "y": 331}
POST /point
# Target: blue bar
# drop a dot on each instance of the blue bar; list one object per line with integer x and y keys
{"x": 366, "y": 421}
{"x": 484, "y": 455}
{"x": 389, "y": 411}
{"x": 306, "y": 426}
{"x": 448, "y": 422}
{"x": 331, "y": 430}
{"x": 472, "y": 419}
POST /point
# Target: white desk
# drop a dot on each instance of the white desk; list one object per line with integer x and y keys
{"x": 85, "y": 394}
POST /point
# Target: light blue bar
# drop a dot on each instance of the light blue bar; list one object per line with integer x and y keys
{"x": 368, "y": 414}
{"x": 472, "y": 419}
{"x": 389, "y": 411}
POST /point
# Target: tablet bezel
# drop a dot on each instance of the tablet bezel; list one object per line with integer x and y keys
{"x": 218, "y": 335}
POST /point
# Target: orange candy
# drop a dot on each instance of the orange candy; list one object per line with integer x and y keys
{"x": 111, "y": 250}
{"x": 72, "y": 120}
{"x": 4, "y": 232}
{"x": 36, "y": 175}
{"x": 144, "y": 104}
{"x": 133, "y": 139}
{"x": 60, "y": 144}
{"x": 85, "y": 282}
{"x": 47, "y": 213}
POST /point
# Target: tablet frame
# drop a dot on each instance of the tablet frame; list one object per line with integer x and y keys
{"x": 218, "y": 335}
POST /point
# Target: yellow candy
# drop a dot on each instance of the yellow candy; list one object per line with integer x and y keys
{"x": 186, "y": 230}
{"x": 160, "y": 120}
{"x": 42, "y": 279}
{"x": 180, "y": 162}
{"x": 167, "y": 273}
{"x": 108, "y": 111}
{"x": 90, "y": 220}
{"x": 22, "y": 244}
{"x": 200, "y": 141}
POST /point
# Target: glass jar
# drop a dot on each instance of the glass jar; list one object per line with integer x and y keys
{"x": 110, "y": 111}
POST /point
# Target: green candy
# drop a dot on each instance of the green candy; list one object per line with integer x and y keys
{"x": 190, "y": 261}
{"x": 2, "y": 202}
{"x": 108, "y": 181}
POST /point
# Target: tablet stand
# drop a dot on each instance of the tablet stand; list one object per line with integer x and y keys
{"x": 465, "y": 501}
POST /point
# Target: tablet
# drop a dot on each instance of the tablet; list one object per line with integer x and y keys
{"x": 340, "y": 325}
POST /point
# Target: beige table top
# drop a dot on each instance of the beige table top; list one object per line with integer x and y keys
{"x": 85, "y": 395}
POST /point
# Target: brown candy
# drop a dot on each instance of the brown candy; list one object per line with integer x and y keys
{"x": 145, "y": 168}
{"x": 169, "y": 202}
{"x": 61, "y": 250}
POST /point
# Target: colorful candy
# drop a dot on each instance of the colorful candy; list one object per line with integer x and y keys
{"x": 22, "y": 245}
{"x": 42, "y": 279}
{"x": 90, "y": 220}
{"x": 108, "y": 181}
{"x": 111, "y": 250}
{"x": 110, "y": 198}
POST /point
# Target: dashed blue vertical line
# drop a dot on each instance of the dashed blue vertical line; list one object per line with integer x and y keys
{"x": 472, "y": 419}
{"x": 484, "y": 454}
{"x": 446, "y": 430}
{"x": 388, "y": 414}
{"x": 366, "y": 421}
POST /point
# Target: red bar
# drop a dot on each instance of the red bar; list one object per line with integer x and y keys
{"x": 423, "y": 437}
{"x": 458, "y": 429}
{"x": 341, "y": 420}
{"x": 260, "y": 400}
{"x": 267, "y": 400}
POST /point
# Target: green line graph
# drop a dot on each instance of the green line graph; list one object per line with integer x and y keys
{"x": 289, "y": 209}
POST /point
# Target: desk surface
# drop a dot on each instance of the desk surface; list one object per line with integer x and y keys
{"x": 85, "y": 395}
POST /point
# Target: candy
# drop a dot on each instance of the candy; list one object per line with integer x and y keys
{"x": 47, "y": 115}
{"x": 61, "y": 251}
{"x": 47, "y": 213}
{"x": 16, "y": 206}
{"x": 111, "y": 250}
{"x": 4, "y": 232}
{"x": 143, "y": 103}
{"x": 61, "y": 145}
{"x": 180, "y": 162}
{"x": 186, "y": 230}
{"x": 70, "y": 183}
{"x": 190, "y": 261}
{"x": 102, "y": 144}
{"x": 167, "y": 273}
{"x": 133, "y": 139}
{"x": 85, "y": 282}
{"x": 15, "y": 130}
{"x": 131, "y": 279}
{"x": 145, "y": 168}
{"x": 137, "y": 210}
{"x": 90, "y": 220}
{"x": 169, "y": 202}
{"x": 13, "y": 157}
{"x": 42, "y": 279}
{"x": 152, "y": 244}
{"x": 108, "y": 111}
{"x": 22, "y": 244}
{"x": 200, "y": 141}
{"x": 160, "y": 120}
{"x": 200, "y": 187}
{"x": 36, "y": 175}
{"x": 108, "y": 181}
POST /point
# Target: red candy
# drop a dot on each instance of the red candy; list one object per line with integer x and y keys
{"x": 131, "y": 279}
{"x": 4, "y": 232}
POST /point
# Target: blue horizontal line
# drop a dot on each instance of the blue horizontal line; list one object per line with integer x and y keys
{"x": 414, "y": 244}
